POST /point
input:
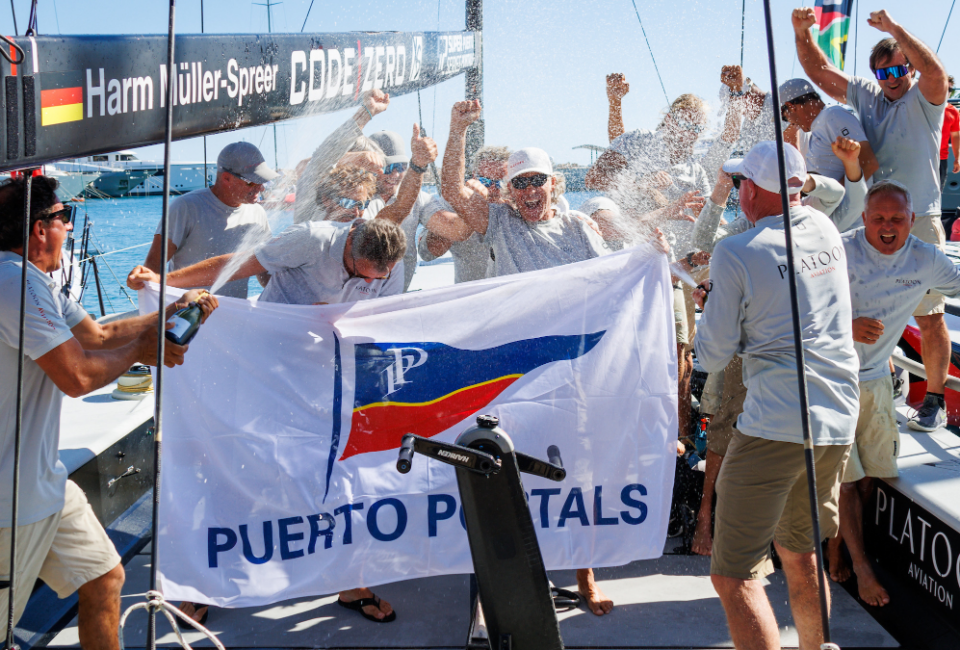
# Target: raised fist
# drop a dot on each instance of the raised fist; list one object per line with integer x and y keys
{"x": 464, "y": 114}
{"x": 731, "y": 76}
{"x": 617, "y": 86}
{"x": 376, "y": 101}
{"x": 803, "y": 19}
{"x": 423, "y": 151}
{"x": 881, "y": 20}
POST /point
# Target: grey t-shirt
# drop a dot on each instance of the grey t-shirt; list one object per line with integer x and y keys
{"x": 889, "y": 287}
{"x": 202, "y": 226}
{"x": 905, "y": 136}
{"x": 831, "y": 123}
{"x": 749, "y": 314}
{"x": 470, "y": 256}
{"x": 306, "y": 266}
{"x": 49, "y": 317}
{"x": 517, "y": 245}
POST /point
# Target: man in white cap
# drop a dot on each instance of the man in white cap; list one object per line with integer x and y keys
{"x": 821, "y": 125}
{"x": 762, "y": 486}
{"x": 530, "y": 232}
{"x": 399, "y": 167}
{"x": 219, "y": 219}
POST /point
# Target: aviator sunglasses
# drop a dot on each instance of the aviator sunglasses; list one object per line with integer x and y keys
{"x": 349, "y": 204}
{"x": 523, "y": 182}
{"x": 395, "y": 167}
{"x": 65, "y": 215}
{"x": 895, "y": 71}
{"x": 492, "y": 182}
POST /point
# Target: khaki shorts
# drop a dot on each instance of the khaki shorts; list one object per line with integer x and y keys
{"x": 66, "y": 550}
{"x": 929, "y": 228}
{"x": 878, "y": 435}
{"x": 680, "y": 317}
{"x": 724, "y": 421}
{"x": 762, "y": 496}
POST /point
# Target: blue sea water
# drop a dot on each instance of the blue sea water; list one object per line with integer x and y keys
{"x": 122, "y": 231}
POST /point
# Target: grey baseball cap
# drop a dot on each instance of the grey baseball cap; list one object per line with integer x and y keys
{"x": 245, "y": 160}
{"x": 793, "y": 88}
{"x": 392, "y": 145}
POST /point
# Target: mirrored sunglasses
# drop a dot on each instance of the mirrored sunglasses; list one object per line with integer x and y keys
{"x": 395, "y": 167}
{"x": 895, "y": 71}
{"x": 349, "y": 204}
{"x": 523, "y": 182}
{"x": 492, "y": 182}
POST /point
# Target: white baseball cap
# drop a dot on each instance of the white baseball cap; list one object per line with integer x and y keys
{"x": 530, "y": 159}
{"x": 791, "y": 89}
{"x": 760, "y": 166}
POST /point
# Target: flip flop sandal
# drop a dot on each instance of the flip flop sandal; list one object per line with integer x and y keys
{"x": 360, "y": 603}
{"x": 564, "y": 599}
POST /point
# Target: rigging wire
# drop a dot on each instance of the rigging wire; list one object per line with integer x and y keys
{"x": 797, "y": 333}
{"x": 743, "y": 30}
{"x": 856, "y": 34}
{"x": 433, "y": 122}
{"x": 32, "y": 28}
{"x": 206, "y": 176}
{"x": 13, "y": 10}
{"x": 309, "y": 9}
{"x": 652, "y": 58}
{"x": 945, "y": 26}
{"x": 56, "y": 15}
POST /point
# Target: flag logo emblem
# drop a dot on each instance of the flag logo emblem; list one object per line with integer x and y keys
{"x": 426, "y": 388}
{"x": 61, "y": 105}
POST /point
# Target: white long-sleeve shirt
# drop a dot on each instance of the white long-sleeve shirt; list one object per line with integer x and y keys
{"x": 748, "y": 313}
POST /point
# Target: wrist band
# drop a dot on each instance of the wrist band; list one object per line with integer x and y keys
{"x": 419, "y": 170}
{"x": 367, "y": 110}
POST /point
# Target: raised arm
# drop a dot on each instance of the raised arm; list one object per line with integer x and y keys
{"x": 617, "y": 87}
{"x": 201, "y": 274}
{"x": 331, "y": 149}
{"x": 815, "y": 63}
{"x": 423, "y": 151}
{"x": 933, "y": 78}
{"x": 471, "y": 206}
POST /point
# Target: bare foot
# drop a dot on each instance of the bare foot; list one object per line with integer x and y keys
{"x": 196, "y": 611}
{"x": 597, "y": 601}
{"x": 839, "y": 569}
{"x": 351, "y": 595}
{"x": 703, "y": 536}
{"x": 871, "y": 591}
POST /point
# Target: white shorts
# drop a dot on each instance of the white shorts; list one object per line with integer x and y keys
{"x": 66, "y": 550}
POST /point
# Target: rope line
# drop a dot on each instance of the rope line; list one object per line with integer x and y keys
{"x": 652, "y": 58}
{"x": 156, "y": 603}
{"x": 945, "y": 26}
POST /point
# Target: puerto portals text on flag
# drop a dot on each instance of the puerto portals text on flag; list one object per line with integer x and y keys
{"x": 281, "y": 431}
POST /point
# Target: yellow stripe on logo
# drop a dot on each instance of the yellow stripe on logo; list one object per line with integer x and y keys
{"x": 61, "y": 114}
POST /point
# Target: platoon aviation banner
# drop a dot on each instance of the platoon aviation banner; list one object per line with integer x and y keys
{"x": 282, "y": 429}
{"x": 79, "y": 95}
{"x": 833, "y": 25}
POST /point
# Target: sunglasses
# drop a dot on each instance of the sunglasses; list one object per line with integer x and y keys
{"x": 736, "y": 178}
{"x": 491, "y": 182}
{"x": 65, "y": 215}
{"x": 689, "y": 126}
{"x": 895, "y": 71}
{"x": 523, "y": 182}
{"x": 244, "y": 180}
{"x": 349, "y": 204}
{"x": 395, "y": 167}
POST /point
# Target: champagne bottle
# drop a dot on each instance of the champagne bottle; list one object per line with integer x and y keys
{"x": 186, "y": 324}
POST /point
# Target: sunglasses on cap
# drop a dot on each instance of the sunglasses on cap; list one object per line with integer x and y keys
{"x": 523, "y": 182}
{"x": 492, "y": 182}
{"x": 895, "y": 71}
{"x": 395, "y": 167}
{"x": 349, "y": 204}
{"x": 65, "y": 215}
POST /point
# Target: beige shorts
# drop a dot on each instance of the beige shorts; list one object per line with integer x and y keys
{"x": 680, "y": 317}
{"x": 929, "y": 228}
{"x": 724, "y": 420}
{"x": 762, "y": 496}
{"x": 66, "y": 550}
{"x": 878, "y": 434}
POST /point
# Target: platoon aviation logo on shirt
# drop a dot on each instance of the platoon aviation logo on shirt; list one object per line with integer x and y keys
{"x": 426, "y": 388}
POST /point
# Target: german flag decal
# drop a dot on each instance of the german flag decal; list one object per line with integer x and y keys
{"x": 61, "y": 105}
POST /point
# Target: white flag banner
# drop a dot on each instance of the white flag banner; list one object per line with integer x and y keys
{"x": 285, "y": 417}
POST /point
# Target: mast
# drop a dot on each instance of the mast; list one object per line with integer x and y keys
{"x": 473, "y": 79}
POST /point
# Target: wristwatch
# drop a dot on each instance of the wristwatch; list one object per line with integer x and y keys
{"x": 690, "y": 260}
{"x": 419, "y": 170}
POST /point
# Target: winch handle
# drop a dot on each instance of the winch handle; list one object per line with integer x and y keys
{"x": 405, "y": 461}
{"x": 553, "y": 455}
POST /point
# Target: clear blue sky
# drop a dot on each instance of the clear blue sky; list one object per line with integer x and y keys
{"x": 545, "y": 60}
